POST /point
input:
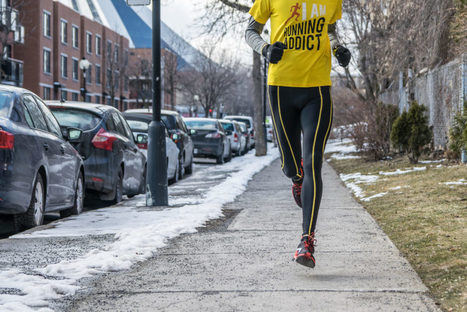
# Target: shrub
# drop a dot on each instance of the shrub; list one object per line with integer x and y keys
{"x": 373, "y": 135}
{"x": 458, "y": 135}
{"x": 411, "y": 132}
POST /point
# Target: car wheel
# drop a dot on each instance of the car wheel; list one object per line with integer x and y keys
{"x": 181, "y": 167}
{"x": 118, "y": 187}
{"x": 189, "y": 169}
{"x": 34, "y": 216}
{"x": 79, "y": 200}
{"x": 220, "y": 158}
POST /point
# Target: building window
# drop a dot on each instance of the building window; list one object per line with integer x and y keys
{"x": 98, "y": 74}
{"x": 117, "y": 80}
{"x": 75, "y": 36}
{"x": 89, "y": 75}
{"x": 89, "y": 43}
{"x": 98, "y": 99}
{"x": 64, "y": 31}
{"x": 46, "y": 61}
{"x": 75, "y": 69}
{"x": 46, "y": 91}
{"x": 64, "y": 65}
{"x": 88, "y": 98}
{"x": 108, "y": 78}
{"x": 46, "y": 24}
{"x": 126, "y": 84}
{"x": 98, "y": 45}
{"x": 74, "y": 96}
{"x": 64, "y": 95}
{"x": 109, "y": 49}
{"x": 116, "y": 54}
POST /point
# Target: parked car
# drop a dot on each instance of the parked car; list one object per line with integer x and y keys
{"x": 249, "y": 123}
{"x": 178, "y": 132}
{"x": 246, "y": 135}
{"x": 233, "y": 131}
{"x": 114, "y": 165}
{"x": 139, "y": 124}
{"x": 269, "y": 132}
{"x": 40, "y": 171}
{"x": 210, "y": 139}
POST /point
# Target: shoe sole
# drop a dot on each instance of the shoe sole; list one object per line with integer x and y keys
{"x": 306, "y": 262}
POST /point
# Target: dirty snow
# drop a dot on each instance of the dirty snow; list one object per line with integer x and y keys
{"x": 341, "y": 156}
{"x": 460, "y": 182}
{"x": 139, "y": 232}
{"x": 367, "y": 199}
{"x": 343, "y": 147}
{"x": 399, "y": 171}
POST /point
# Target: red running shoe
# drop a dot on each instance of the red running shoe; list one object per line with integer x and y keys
{"x": 305, "y": 250}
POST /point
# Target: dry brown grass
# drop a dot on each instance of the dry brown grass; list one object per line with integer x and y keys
{"x": 425, "y": 218}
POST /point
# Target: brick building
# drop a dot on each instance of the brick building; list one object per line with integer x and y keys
{"x": 58, "y": 34}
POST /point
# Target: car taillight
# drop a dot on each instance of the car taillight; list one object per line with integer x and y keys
{"x": 252, "y": 133}
{"x": 215, "y": 135}
{"x": 143, "y": 145}
{"x": 103, "y": 140}
{"x": 175, "y": 137}
{"x": 235, "y": 137}
{"x": 7, "y": 140}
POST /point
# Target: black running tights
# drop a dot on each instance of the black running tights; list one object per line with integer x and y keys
{"x": 308, "y": 111}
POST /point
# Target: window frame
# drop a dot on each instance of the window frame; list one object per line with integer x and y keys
{"x": 63, "y": 31}
{"x": 98, "y": 45}
{"x": 64, "y": 69}
{"x": 75, "y": 37}
{"x": 88, "y": 42}
{"x": 49, "y": 67}
{"x": 47, "y": 28}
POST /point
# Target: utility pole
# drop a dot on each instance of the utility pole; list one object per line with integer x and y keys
{"x": 157, "y": 188}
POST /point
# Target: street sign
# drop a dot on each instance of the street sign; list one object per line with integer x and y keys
{"x": 138, "y": 2}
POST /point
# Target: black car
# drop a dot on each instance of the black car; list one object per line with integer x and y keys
{"x": 40, "y": 171}
{"x": 114, "y": 165}
{"x": 210, "y": 139}
{"x": 178, "y": 133}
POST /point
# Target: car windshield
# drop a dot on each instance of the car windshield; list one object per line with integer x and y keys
{"x": 227, "y": 126}
{"x": 246, "y": 121}
{"x": 169, "y": 121}
{"x": 75, "y": 118}
{"x": 201, "y": 124}
{"x": 137, "y": 125}
{"x": 5, "y": 103}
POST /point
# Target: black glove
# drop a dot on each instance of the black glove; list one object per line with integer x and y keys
{"x": 343, "y": 55}
{"x": 273, "y": 53}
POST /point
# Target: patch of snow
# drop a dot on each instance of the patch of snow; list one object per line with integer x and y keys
{"x": 341, "y": 156}
{"x": 431, "y": 161}
{"x": 399, "y": 171}
{"x": 359, "y": 178}
{"x": 367, "y": 199}
{"x": 343, "y": 147}
{"x": 460, "y": 182}
{"x": 138, "y": 232}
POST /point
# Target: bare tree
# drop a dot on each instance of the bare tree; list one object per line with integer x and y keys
{"x": 140, "y": 71}
{"x": 116, "y": 63}
{"x": 222, "y": 16}
{"x": 211, "y": 81}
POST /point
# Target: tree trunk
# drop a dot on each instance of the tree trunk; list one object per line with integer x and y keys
{"x": 260, "y": 138}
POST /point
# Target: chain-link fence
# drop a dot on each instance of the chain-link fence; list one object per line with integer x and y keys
{"x": 442, "y": 91}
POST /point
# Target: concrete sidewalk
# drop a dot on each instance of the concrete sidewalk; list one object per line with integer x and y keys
{"x": 247, "y": 265}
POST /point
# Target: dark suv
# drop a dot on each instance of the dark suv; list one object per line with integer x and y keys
{"x": 178, "y": 132}
{"x": 114, "y": 165}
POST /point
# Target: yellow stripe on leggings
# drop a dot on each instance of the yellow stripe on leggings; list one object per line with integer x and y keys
{"x": 275, "y": 128}
{"x": 313, "y": 161}
{"x": 285, "y": 133}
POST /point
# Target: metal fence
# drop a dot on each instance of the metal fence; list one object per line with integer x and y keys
{"x": 442, "y": 91}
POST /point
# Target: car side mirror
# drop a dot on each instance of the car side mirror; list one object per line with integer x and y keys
{"x": 192, "y": 131}
{"x": 74, "y": 135}
{"x": 141, "y": 139}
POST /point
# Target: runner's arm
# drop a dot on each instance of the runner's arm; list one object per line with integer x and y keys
{"x": 333, "y": 36}
{"x": 253, "y": 36}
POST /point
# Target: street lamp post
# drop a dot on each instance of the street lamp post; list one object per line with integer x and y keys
{"x": 157, "y": 193}
{"x": 84, "y": 65}
{"x": 157, "y": 189}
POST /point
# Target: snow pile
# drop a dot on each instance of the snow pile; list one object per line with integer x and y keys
{"x": 367, "y": 199}
{"x": 343, "y": 147}
{"x": 431, "y": 161}
{"x": 399, "y": 171}
{"x": 139, "y": 233}
{"x": 460, "y": 182}
{"x": 351, "y": 181}
{"x": 341, "y": 156}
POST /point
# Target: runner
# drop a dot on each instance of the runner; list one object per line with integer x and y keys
{"x": 299, "y": 87}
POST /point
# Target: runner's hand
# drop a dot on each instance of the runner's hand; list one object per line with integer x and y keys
{"x": 343, "y": 55}
{"x": 273, "y": 53}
